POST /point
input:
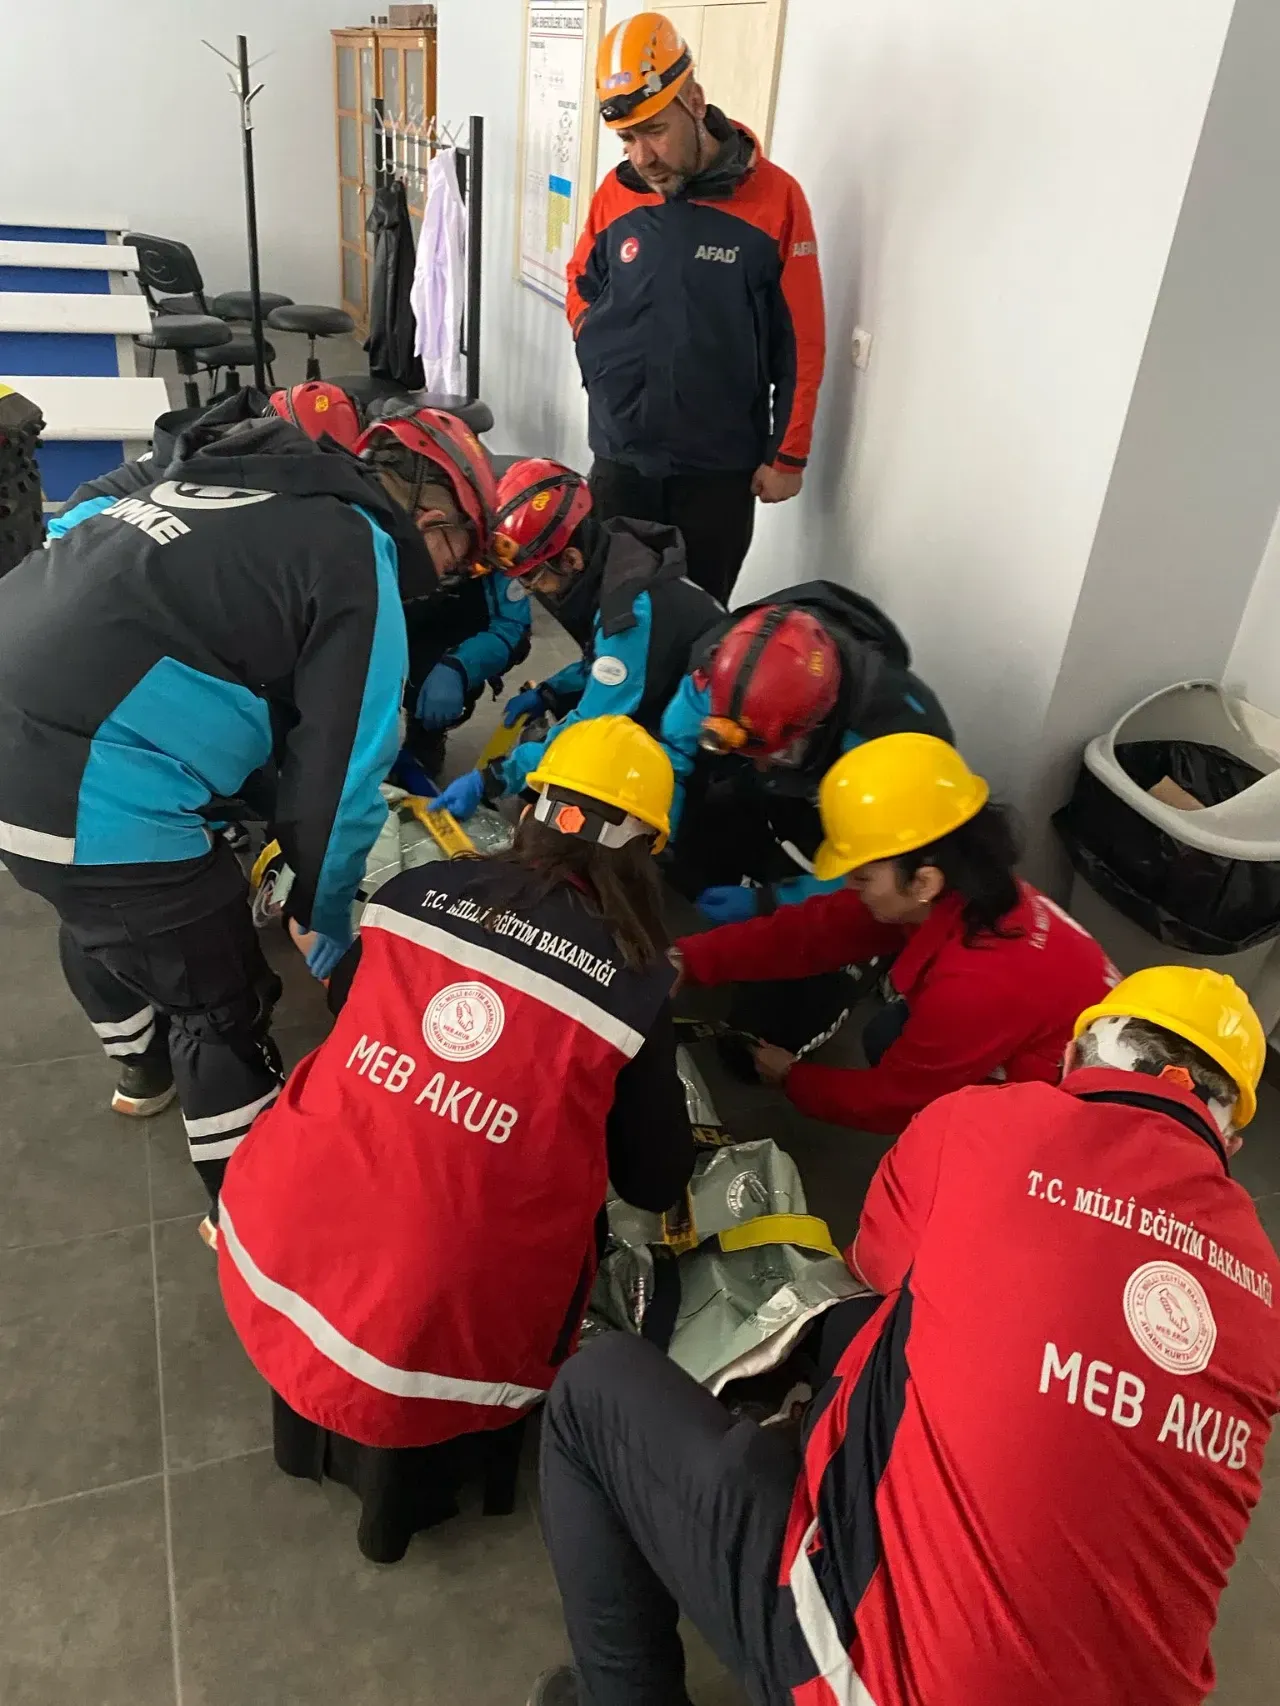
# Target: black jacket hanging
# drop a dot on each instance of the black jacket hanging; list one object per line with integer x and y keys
{"x": 391, "y": 323}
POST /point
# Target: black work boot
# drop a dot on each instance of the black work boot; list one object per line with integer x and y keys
{"x": 144, "y": 1087}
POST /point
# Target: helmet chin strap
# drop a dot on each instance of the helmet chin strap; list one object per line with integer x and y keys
{"x": 1116, "y": 1051}
{"x": 699, "y": 135}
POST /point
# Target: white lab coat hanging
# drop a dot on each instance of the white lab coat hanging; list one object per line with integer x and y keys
{"x": 439, "y": 279}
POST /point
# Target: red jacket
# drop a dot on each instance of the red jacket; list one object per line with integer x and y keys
{"x": 1004, "y": 1004}
{"x": 1030, "y": 1477}
{"x": 407, "y": 1235}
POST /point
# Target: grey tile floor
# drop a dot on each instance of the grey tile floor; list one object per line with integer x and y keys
{"x": 150, "y": 1554}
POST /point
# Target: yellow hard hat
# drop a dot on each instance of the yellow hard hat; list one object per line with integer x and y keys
{"x": 613, "y": 760}
{"x": 642, "y": 66}
{"x": 890, "y": 796}
{"x": 1207, "y": 1008}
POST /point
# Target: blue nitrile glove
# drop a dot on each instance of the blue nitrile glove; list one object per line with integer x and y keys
{"x": 729, "y": 904}
{"x": 462, "y": 796}
{"x": 442, "y": 698}
{"x": 324, "y": 954}
{"x": 527, "y": 703}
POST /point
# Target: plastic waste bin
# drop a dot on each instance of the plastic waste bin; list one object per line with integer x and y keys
{"x": 1159, "y": 883}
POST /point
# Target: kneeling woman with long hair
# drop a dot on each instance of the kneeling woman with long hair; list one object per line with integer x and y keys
{"x": 407, "y": 1238}
{"x": 988, "y": 976}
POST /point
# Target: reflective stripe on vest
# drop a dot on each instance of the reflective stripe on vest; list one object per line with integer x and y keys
{"x": 818, "y": 1627}
{"x": 361, "y": 1365}
{"x": 38, "y": 844}
{"x": 502, "y": 970}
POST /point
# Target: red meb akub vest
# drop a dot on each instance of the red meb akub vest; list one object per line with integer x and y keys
{"x": 407, "y": 1235}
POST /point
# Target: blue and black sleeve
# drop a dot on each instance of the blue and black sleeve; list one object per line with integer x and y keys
{"x": 615, "y": 687}
{"x": 348, "y": 690}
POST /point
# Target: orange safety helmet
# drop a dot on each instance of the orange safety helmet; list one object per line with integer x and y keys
{"x": 320, "y": 410}
{"x": 642, "y": 66}
{"x": 412, "y": 445}
{"x": 540, "y": 507}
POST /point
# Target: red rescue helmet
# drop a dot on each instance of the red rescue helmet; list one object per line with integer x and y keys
{"x": 421, "y": 446}
{"x": 320, "y": 410}
{"x": 541, "y": 505}
{"x": 773, "y": 678}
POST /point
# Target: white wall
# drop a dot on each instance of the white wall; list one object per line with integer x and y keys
{"x": 118, "y": 106}
{"x": 1254, "y": 666}
{"x": 530, "y": 378}
{"x": 996, "y": 186}
{"x": 1195, "y": 486}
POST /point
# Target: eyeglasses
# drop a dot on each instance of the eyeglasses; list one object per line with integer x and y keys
{"x": 470, "y": 563}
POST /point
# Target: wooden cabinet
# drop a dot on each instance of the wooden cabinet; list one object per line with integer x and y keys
{"x": 397, "y": 67}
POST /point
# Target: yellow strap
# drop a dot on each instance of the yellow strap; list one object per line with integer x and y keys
{"x": 444, "y": 829}
{"x": 501, "y": 741}
{"x": 269, "y": 852}
{"x": 807, "y": 1231}
{"x": 7, "y": 391}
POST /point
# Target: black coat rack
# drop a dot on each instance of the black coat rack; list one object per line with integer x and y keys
{"x": 393, "y": 146}
{"x": 245, "y": 94}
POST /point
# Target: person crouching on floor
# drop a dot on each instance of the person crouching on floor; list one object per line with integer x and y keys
{"x": 1028, "y": 1478}
{"x": 989, "y": 973}
{"x": 408, "y": 1237}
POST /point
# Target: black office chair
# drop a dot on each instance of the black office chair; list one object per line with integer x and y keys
{"x": 181, "y": 319}
{"x": 169, "y": 276}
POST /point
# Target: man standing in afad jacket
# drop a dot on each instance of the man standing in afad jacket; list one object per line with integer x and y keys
{"x": 696, "y": 304}
{"x": 1027, "y": 1479}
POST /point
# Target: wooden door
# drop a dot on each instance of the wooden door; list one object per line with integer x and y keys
{"x": 355, "y": 84}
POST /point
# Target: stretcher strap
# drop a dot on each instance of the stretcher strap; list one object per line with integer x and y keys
{"x": 806, "y": 1231}
{"x": 443, "y": 828}
{"x": 502, "y": 741}
{"x": 269, "y": 852}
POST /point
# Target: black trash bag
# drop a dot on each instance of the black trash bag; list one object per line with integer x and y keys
{"x": 1198, "y": 902}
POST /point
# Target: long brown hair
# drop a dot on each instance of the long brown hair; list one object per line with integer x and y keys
{"x": 619, "y": 884}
